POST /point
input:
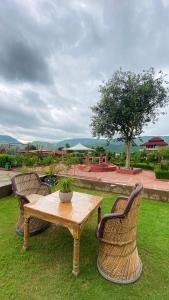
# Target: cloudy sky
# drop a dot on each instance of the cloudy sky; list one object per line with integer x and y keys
{"x": 55, "y": 53}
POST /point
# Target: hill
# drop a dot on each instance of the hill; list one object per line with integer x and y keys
{"x": 44, "y": 145}
{"x": 6, "y": 139}
{"x": 114, "y": 146}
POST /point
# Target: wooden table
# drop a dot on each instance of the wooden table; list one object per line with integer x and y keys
{"x": 72, "y": 215}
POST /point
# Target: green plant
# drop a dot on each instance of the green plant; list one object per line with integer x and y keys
{"x": 65, "y": 184}
{"x": 128, "y": 102}
{"x": 164, "y": 165}
{"x": 139, "y": 156}
{"x": 25, "y": 169}
{"x": 152, "y": 157}
{"x": 6, "y": 159}
{"x": 164, "y": 153}
{"x": 161, "y": 174}
{"x": 47, "y": 160}
{"x": 146, "y": 166}
{"x": 52, "y": 170}
{"x": 30, "y": 160}
{"x": 71, "y": 160}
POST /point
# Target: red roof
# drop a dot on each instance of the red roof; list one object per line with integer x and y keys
{"x": 57, "y": 152}
{"x": 157, "y": 141}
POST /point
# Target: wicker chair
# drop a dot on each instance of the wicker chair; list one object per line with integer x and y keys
{"x": 118, "y": 259}
{"x": 28, "y": 187}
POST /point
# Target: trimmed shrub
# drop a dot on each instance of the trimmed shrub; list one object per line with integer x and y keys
{"x": 161, "y": 174}
{"x": 143, "y": 166}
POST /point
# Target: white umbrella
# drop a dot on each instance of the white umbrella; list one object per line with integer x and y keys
{"x": 79, "y": 147}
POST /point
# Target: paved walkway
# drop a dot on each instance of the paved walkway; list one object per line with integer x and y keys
{"x": 5, "y": 177}
{"x": 146, "y": 177}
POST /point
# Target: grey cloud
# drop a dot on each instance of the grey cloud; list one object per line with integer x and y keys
{"x": 13, "y": 115}
{"x": 55, "y": 53}
{"x": 19, "y": 62}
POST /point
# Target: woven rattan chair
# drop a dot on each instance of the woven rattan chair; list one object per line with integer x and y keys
{"x": 28, "y": 187}
{"x": 118, "y": 259}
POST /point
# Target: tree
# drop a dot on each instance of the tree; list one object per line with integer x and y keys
{"x": 67, "y": 145}
{"x": 30, "y": 147}
{"x": 129, "y": 101}
{"x": 99, "y": 150}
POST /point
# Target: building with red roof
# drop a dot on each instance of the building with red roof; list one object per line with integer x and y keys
{"x": 44, "y": 152}
{"x": 154, "y": 144}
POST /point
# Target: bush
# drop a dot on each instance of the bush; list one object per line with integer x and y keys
{"x": 164, "y": 153}
{"x": 152, "y": 157}
{"x": 164, "y": 165}
{"x": 30, "y": 160}
{"x": 161, "y": 174}
{"x": 119, "y": 162}
{"x": 143, "y": 166}
{"x": 139, "y": 156}
{"x": 5, "y": 159}
{"x": 47, "y": 160}
{"x": 17, "y": 160}
{"x": 72, "y": 160}
{"x": 26, "y": 160}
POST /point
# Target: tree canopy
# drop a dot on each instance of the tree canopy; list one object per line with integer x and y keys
{"x": 129, "y": 101}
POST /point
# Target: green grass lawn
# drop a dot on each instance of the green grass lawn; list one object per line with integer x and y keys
{"x": 44, "y": 271}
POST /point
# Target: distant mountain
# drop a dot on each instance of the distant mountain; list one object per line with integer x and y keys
{"x": 44, "y": 145}
{"x": 114, "y": 146}
{"x": 6, "y": 139}
{"x": 88, "y": 142}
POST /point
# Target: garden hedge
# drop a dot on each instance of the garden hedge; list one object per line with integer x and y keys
{"x": 161, "y": 174}
{"x": 143, "y": 166}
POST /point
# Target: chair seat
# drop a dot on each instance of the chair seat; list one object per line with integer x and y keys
{"x": 33, "y": 197}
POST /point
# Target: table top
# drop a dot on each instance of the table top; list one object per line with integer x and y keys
{"x": 77, "y": 211}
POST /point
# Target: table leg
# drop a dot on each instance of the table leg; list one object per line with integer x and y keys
{"x": 99, "y": 214}
{"x": 76, "y": 257}
{"x": 26, "y": 233}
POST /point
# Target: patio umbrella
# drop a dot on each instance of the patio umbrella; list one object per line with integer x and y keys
{"x": 79, "y": 147}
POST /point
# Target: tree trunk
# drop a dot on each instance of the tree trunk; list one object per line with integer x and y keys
{"x": 128, "y": 154}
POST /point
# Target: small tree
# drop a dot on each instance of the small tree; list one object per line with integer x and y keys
{"x": 30, "y": 147}
{"x": 99, "y": 150}
{"x": 128, "y": 102}
{"x": 67, "y": 145}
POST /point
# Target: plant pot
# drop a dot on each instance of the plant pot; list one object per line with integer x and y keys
{"x": 65, "y": 197}
{"x": 50, "y": 179}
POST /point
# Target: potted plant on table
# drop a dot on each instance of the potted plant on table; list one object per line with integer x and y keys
{"x": 65, "y": 186}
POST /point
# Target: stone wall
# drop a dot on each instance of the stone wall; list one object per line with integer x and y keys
{"x": 152, "y": 194}
{"x": 5, "y": 190}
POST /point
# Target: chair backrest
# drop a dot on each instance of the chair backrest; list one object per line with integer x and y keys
{"x": 124, "y": 229}
{"x": 26, "y": 184}
{"x": 133, "y": 203}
